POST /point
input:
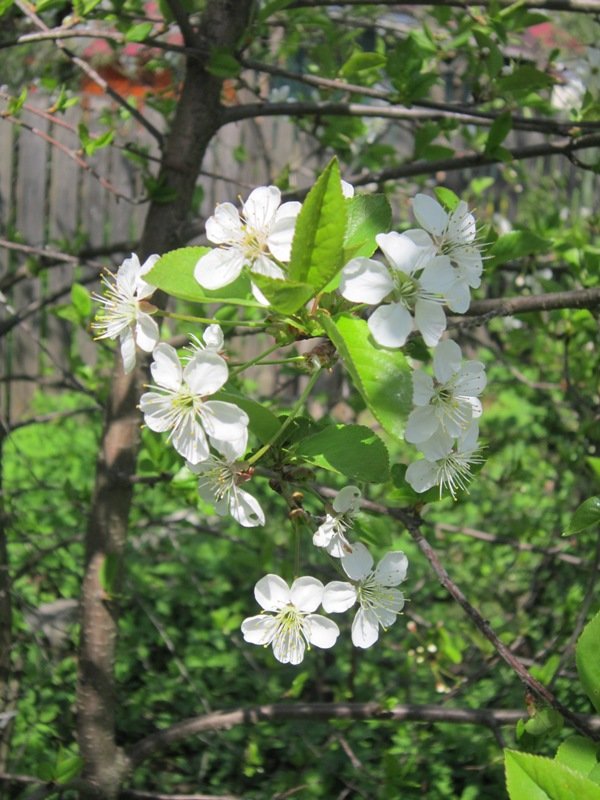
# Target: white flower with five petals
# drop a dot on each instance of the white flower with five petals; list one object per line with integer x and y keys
{"x": 451, "y": 401}
{"x": 292, "y": 624}
{"x": 123, "y": 314}
{"x": 374, "y": 589}
{"x": 447, "y": 462}
{"x": 179, "y": 405}
{"x": 331, "y": 534}
{"x": 415, "y": 281}
{"x": 219, "y": 484}
{"x": 453, "y": 234}
{"x": 259, "y": 238}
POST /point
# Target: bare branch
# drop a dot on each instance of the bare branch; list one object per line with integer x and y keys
{"x": 506, "y": 307}
{"x": 576, "y": 6}
{"x": 420, "y": 112}
{"x": 413, "y": 524}
{"x": 72, "y": 154}
{"x": 29, "y": 11}
{"x": 183, "y": 21}
{"x": 284, "y": 712}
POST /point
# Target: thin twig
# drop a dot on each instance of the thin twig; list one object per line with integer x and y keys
{"x": 285, "y": 712}
{"x": 576, "y": 6}
{"x": 94, "y": 76}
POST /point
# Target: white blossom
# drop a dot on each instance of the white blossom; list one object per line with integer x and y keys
{"x": 415, "y": 281}
{"x": 292, "y": 625}
{"x": 179, "y": 405}
{"x": 447, "y": 462}
{"x": 453, "y": 234}
{"x": 331, "y": 534}
{"x": 260, "y": 238}
{"x": 124, "y": 313}
{"x": 219, "y": 480}
{"x": 380, "y": 603}
{"x": 449, "y": 402}
{"x": 212, "y": 339}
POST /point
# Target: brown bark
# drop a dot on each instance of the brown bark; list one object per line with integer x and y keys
{"x": 197, "y": 118}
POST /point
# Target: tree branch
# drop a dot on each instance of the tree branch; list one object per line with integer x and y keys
{"x": 284, "y": 712}
{"x": 413, "y": 524}
{"x": 576, "y": 6}
{"x": 29, "y": 12}
{"x": 506, "y": 307}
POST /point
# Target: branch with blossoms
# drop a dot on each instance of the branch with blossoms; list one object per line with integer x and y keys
{"x": 328, "y": 269}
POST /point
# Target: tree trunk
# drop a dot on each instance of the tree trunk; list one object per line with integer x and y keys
{"x": 197, "y": 118}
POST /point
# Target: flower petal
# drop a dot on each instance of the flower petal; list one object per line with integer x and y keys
{"x": 213, "y": 338}
{"x": 245, "y": 509}
{"x": 288, "y": 645}
{"x": 392, "y": 568}
{"x": 225, "y": 226}
{"x": 447, "y": 360}
{"x": 365, "y": 281}
{"x": 189, "y": 439}
{"x": 166, "y": 367}
{"x": 272, "y": 592}
{"x": 219, "y": 268}
{"x": 127, "y": 275}
{"x": 306, "y": 594}
{"x": 421, "y": 424}
{"x": 429, "y": 214}
{"x": 260, "y": 207}
{"x": 157, "y": 410}
{"x": 259, "y": 629}
{"x": 405, "y": 253}
{"x": 421, "y": 475}
{"x": 430, "y": 320}
{"x": 127, "y": 344}
{"x": 338, "y": 597}
{"x": 224, "y": 421}
{"x": 205, "y": 373}
{"x": 347, "y": 499}
{"x": 281, "y": 235}
{"x": 390, "y": 325}
{"x": 320, "y": 631}
{"x": 365, "y": 628}
{"x": 358, "y": 563}
{"x": 146, "y": 332}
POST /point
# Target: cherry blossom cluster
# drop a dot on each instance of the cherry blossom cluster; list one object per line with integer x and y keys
{"x": 291, "y": 625}
{"x": 212, "y": 435}
{"x": 424, "y": 269}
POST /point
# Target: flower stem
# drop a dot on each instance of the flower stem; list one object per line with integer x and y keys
{"x": 210, "y": 320}
{"x": 256, "y": 360}
{"x": 292, "y": 415}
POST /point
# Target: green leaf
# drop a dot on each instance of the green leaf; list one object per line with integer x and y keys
{"x": 223, "y": 64}
{"x": 361, "y": 62}
{"x": 5, "y": 5}
{"x": 15, "y": 104}
{"x": 531, "y": 777}
{"x": 588, "y": 662}
{"x": 81, "y": 300}
{"x": 523, "y": 80}
{"x": 263, "y": 424}
{"x": 174, "y": 274}
{"x": 544, "y": 721}
{"x": 368, "y": 215}
{"x": 382, "y": 377}
{"x": 317, "y": 248}
{"x": 499, "y": 130}
{"x": 578, "y": 753}
{"x": 286, "y": 296}
{"x": 271, "y": 8}
{"x": 516, "y": 244}
{"x": 447, "y": 197}
{"x": 352, "y": 450}
{"x": 586, "y": 516}
{"x": 139, "y": 32}
{"x": 67, "y": 767}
